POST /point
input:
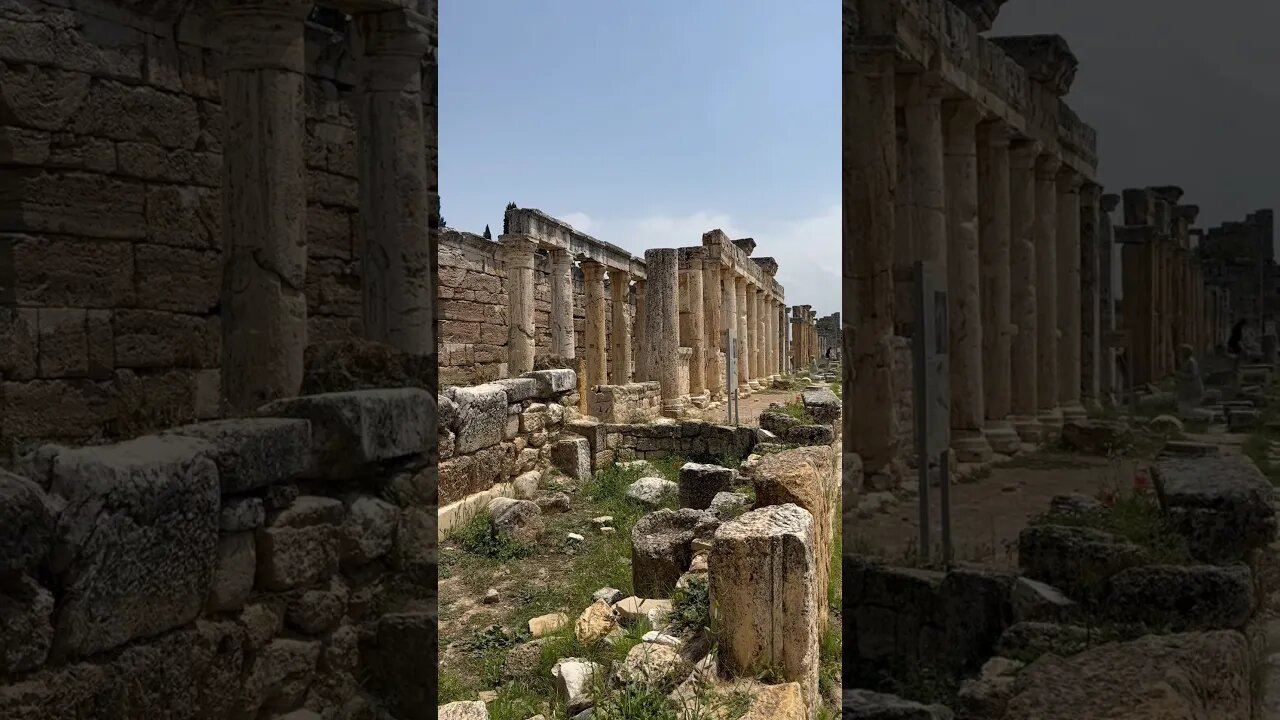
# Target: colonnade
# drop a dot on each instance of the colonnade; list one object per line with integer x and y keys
{"x": 804, "y": 337}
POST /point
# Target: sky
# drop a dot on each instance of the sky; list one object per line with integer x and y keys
{"x": 648, "y": 124}
{"x": 1181, "y": 92}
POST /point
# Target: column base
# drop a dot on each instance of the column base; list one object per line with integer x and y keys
{"x": 970, "y": 446}
{"x": 1001, "y": 436}
{"x": 701, "y": 401}
{"x": 673, "y": 407}
{"x": 1050, "y": 423}
{"x": 1074, "y": 412}
{"x": 1027, "y": 427}
{"x": 754, "y": 385}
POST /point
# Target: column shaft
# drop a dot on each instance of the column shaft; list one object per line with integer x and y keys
{"x": 517, "y": 255}
{"x": 620, "y": 345}
{"x": 643, "y": 367}
{"x": 1106, "y": 286}
{"x": 712, "y": 298}
{"x": 698, "y": 335}
{"x": 1090, "y": 297}
{"x": 963, "y": 277}
{"x": 562, "y": 340}
{"x": 1069, "y": 295}
{"x": 994, "y": 241}
{"x": 264, "y": 203}
{"x": 1023, "y": 293}
{"x": 729, "y": 313}
{"x": 1047, "y": 289}
{"x": 662, "y": 333}
{"x": 597, "y": 366}
{"x": 740, "y": 293}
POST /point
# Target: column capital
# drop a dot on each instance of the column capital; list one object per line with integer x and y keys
{"x": 262, "y": 34}
{"x": 389, "y": 47}
{"x": 1047, "y": 165}
{"x": 1109, "y": 202}
{"x": 960, "y": 113}
{"x": 926, "y": 88}
{"x": 1024, "y": 152}
{"x": 619, "y": 275}
{"x": 592, "y": 269}
{"x": 996, "y": 133}
{"x": 1069, "y": 181}
{"x": 560, "y": 258}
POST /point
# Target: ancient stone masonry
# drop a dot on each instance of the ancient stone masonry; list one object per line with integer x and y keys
{"x": 1238, "y": 260}
{"x": 995, "y": 186}
{"x": 195, "y": 193}
{"x": 805, "y": 342}
{"x": 828, "y": 330}
{"x": 509, "y": 306}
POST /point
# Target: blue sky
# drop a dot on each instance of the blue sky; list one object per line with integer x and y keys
{"x": 647, "y": 124}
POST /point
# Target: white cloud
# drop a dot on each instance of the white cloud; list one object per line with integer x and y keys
{"x": 807, "y": 249}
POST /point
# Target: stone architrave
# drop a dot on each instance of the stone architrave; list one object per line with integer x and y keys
{"x": 394, "y": 203}
{"x": 870, "y": 435}
{"x": 697, "y": 328}
{"x": 711, "y": 301}
{"x": 963, "y": 277}
{"x": 620, "y": 347}
{"x": 1047, "y": 291}
{"x": 562, "y": 340}
{"x": 744, "y": 340}
{"x": 597, "y": 364}
{"x": 1023, "y": 292}
{"x": 762, "y": 575}
{"x": 1068, "y": 262}
{"x": 994, "y": 252}
{"x": 662, "y": 332}
{"x": 264, "y": 200}
{"x": 517, "y": 256}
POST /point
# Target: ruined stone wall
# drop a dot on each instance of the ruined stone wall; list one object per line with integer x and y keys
{"x": 491, "y": 433}
{"x": 632, "y": 403}
{"x": 110, "y": 219}
{"x": 474, "y": 309}
{"x": 829, "y": 337}
{"x": 238, "y": 568}
{"x": 1229, "y": 254}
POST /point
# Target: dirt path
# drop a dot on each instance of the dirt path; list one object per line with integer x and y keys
{"x": 987, "y": 514}
{"x": 749, "y": 408}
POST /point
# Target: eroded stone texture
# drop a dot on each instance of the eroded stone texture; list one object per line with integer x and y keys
{"x": 1181, "y": 597}
{"x": 1046, "y": 58}
{"x": 28, "y": 518}
{"x": 868, "y": 705}
{"x": 25, "y": 630}
{"x": 254, "y": 452}
{"x": 136, "y": 548}
{"x": 763, "y": 583}
{"x": 699, "y": 484}
{"x": 660, "y": 548}
{"x": 1076, "y": 559}
{"x": 1222, "y": 505}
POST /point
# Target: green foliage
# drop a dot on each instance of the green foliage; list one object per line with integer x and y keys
{"x": 480, "y": 536}
{"x": 691, "y": 606}
{"x": 506, "y": 224}
{"x": 796, "y": 409}
{"x": 496, "y": 637}
{"x": 487, "y": 234}
{"x": 1133, "y": 514}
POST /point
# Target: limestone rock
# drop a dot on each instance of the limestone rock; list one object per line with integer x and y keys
{"x": 729, "y": 505}
{"x": 1075, "y": 504}
{"x": 1076, "y": 559}
{"x": 608, "y": 595}
{"x": 547, "y": 624}
{"x": 595, "y": 623}
{"x": 1191, "y": 675}
{"x": 660, "y": 549}
{"x": 241, "y": 514}
{"x": 521, "y": 519}
{"x": 811, "y": 435}
{"x": 553, "y": 382}
{"x": 283, "y": 671}
{"x": 138, "y": 540}
{"x": 573, "y": 458}
{"x": 308, "y": 511}
{"x": 28, "y": 518}
{"x": 350, "y": 430}
{"x": 1221, "y": 505}
{"x": 573, "y": 678}
{"x": 235, "y": 572}
{"x": 1033, "y": 639}
{"x": 291, "y": 557}
{"x": 1182, "y": 597}
{"x": 652, "y": 491}
{"x": 1036, "y": 601}
{"x": 654, "y": 665}
{"x": 254, "y": 452}
{"x": 777, "y": 422}
{"x": 634, "y": 607}
{"x": 318, "y": 610}
{"x": 700, "y": 483}
{"x": 369, "y": 530}
{"x": 464, "y": 710}
{"x": 553, "y": 502}
{"x": 481, "y": 416}
{"x": 867, "y": 705}
{"x": 25, "y": 630}
{"x": 522, "y": 660}
{"x": 821, "y": 404}
{"x": 1187, "y": 448}
{"x": 1096, "y": 438}
{"x": 777, "y": 702}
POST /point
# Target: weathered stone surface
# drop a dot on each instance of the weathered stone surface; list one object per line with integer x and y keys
{"x": 1221, "y": 505}
{"x": 653, "y": 665}
{"x": 307, "y": 511}
{"x": 699, "y": 484}
{"x": 597, "y": 621}
{"x": 28, "y": 519}
{"x": 987, "y": 695}
{"x": 1181, "y": 597}
{"x": 522, "y": 660}
{"x": 652, "y": 491}
{"x": 784, "y": 701}
{"x": 763, "y": 574}
{"x": 233, "y": 578}
{"x": 369, "y": 530}
{"x": 290, "y": 557}
{"x": 821, "y": 404}
{"x": 254, "y": 452}
{"x": 1075, "y": 504}
{"x": 407, "y": 643}
{"x": 729, "y": 505}
{"x": 1036, "y": 601}
{"x": 318, "y": 610}
{"x": 867, "y": 705}
{"x": 481, "y": 416}
{"x": 1046, "y": 58}
{"x": 1078, "y": 560}
{"x": 137, "y": 540}
{"x": 240, "y": 514}
{"x": 1192, "y": 675}
{"x": 547, "y": 624}
{"x": 521, "y": 519}
{"x": 573, "y": 458}
{"x": 282, "y": 672}
{"x": 464, "y": 710}
{"x": 553, "y": 382}
{"x": 356, "y": 363}
{"x": 811, "y": 435}
{"x": 1095, "y": 437}
{"x": 574, "y": 682}
{"x": 25, "y": 630}
{"x": 1032, "y": 639}
{"x": 660, "y": 549}
{"x": 352, "y": 429}
{"x": 1187, "y": 448}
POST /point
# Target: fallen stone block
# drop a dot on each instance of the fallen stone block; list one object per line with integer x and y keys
{"x": 353, "y": 429}
{"x": 1076, "y": 559}
{"x": 520, "y": 519}
{"x": 660, "y": 548}
{"x": 28, "y": 520}
{"x": 553, "y": 382}
{"x": 573, "y": 458}
{"x": 464, "y": 710}
{"x": 699, "y": 484}
{"x": 574, "y": 679}
{"x": 25, "y": 630}
{"x": 821, "y": 404}
{"x": 254, "y": 452}
{"x": 1035, "y": 601}
{"x": 868, "y": 705}
{"x": 1221, "y": 505}
{"x": 1181, "y": 597}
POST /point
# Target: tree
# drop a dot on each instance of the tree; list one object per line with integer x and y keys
{"x": 506, "y": 228}
{"x": 487, "y": 235}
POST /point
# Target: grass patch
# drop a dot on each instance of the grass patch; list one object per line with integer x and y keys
{"x": 828, "y": 661}
{"x": 691, "y": 606}
{"x": 1132, "y": 514}
{"x": 480, "y": 536}
{"x": 797, "y": 410}
{"x": 1258, "y": 448}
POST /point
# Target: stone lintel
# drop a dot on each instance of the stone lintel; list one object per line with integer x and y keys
{"x": 983, "y": 13}
{"x": 768, "y": 264}
{"x": 1047, "y": 58}
{"x": 748, "y": 245}
{"x": 555, "y": 233}
{"x": 1169, "y": 193}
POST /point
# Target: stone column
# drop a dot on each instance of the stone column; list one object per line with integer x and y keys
{"x": 928, "y": 168}
{"x": 517, "y": 256}
{"x": 711, "y": 300}
{"x": 760, "y": 334}
{"x": 562, "y": 340}
{"x": 595, "y": 346}
{"x": 744, "y": 370}
{"x": 963, "y": 277}
{"x": 1090, "y": 311}
{"x": 729, "y": 301}
{"x": 264, "y": 201}
{"x": 1108, "y": 376}
{"x": 1047, "y": 292}
{"x": 643, "y": 368}
{"x": 1069, "y": 375}
{"x": 771, "y": 337}
{"x": 662, "y": 331}
{"x": 870, "y": 182}
{"x": 395, "y": 262}
{"x": 620, "y": 347}
{"x": 753, "y": 333}
{"x": 697, "y": 328}
{"x": 994, "y": 250}
{"x": 1022, "y": 288}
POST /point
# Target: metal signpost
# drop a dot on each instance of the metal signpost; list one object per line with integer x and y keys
{"x": 1118, "y": 341}
{"x": 930, "y": 349}
{"x": 731, "y": 376}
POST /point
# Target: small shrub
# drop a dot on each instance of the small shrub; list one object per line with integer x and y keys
{"x": 691, "y": 606}
{"x": 481, "y": 536}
